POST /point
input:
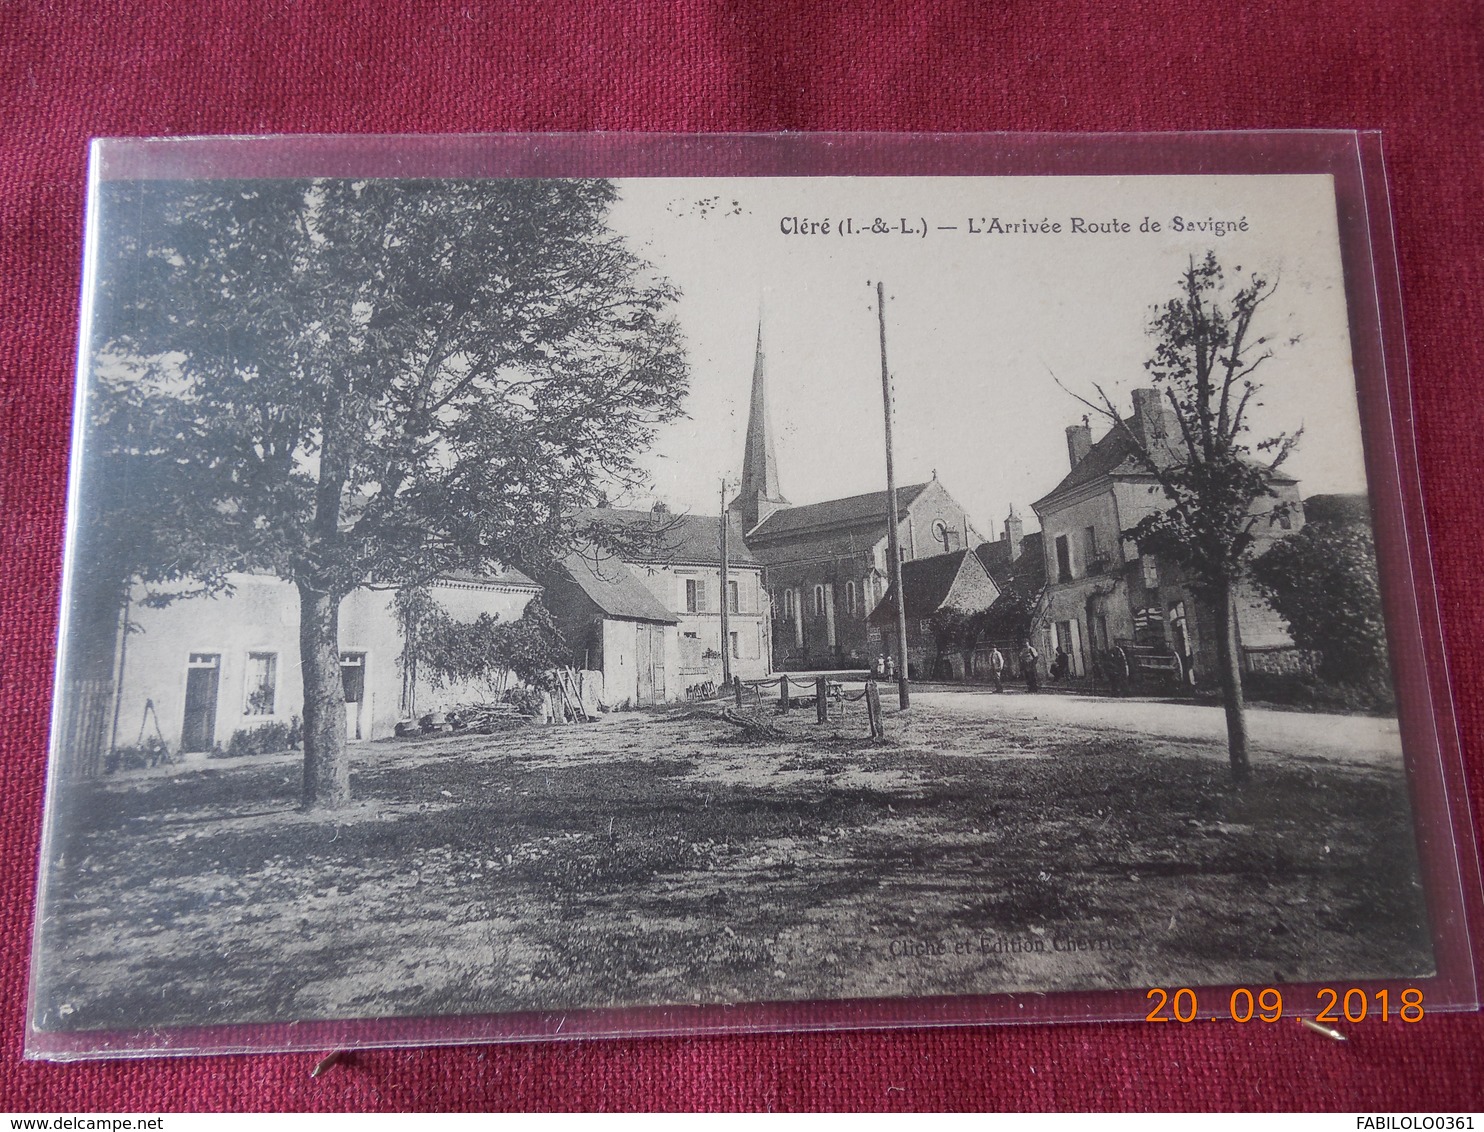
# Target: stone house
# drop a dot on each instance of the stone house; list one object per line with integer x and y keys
{"x": 614, "y": 626}
{"x": 676, "y": 560}
{"x": 944, "y": 582}
{"x": 202, "y": 668}
{"x": 1100, "y": 590}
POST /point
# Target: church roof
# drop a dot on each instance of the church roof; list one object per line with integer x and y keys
{"x": 611, "y": 586}
{"x": 759, "y": 460}
{"x": 856, "y": 510}
{"x": 668, "y": 538}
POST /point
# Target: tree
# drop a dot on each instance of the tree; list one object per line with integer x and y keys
{"x": 1323, "y": 581}
{"x": 489, "y": 651}
{"x": 374, "y": 383}
{"x": 955, "y": 630}
{"x": 1217, "y": 484}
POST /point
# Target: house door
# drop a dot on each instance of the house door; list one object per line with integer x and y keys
{"x": 353, "y": 678}
{"x": 203, "y": 678}
{"x": 644, "y": 664}
{"x": 657, "y": 661}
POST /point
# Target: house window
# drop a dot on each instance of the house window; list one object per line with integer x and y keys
{"x": 819, "y": 601}
{"x": 262, "y": 684}
{"x": 1151, "y": 572}
{"x": 1090, "y": 554}
{"x": 734, "y": 598}
{"x": 695, "y": 595}
{"x": 849, "y": 597}
{"x": 1063, "y": 559}
{"x": 736, "y": 646}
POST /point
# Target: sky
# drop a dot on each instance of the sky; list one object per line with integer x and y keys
{"x": 980, "y": 324}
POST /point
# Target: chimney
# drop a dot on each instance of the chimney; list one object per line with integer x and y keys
{"x": 1079, "y": 441}
{"x": 1152, "y": 423}
{"x": 1014, "y": 532}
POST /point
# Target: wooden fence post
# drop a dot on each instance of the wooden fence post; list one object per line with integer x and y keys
{"x": 821, "y": 700}
{"x": 873, "y": 710}
{"x": 737, "y": 687}
{"x": 783, "y": 692}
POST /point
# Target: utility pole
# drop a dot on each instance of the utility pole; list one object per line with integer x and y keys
{"x": 726, "y": 595}
{"x": 893, "y": 548}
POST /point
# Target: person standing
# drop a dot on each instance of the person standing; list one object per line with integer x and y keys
{"x": 1028, "y": 658}
{"x": 997, "y": 668}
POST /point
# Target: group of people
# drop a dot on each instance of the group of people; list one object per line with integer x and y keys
{"x": 1111, "y": 665}
{"x": 1029, "y": 659}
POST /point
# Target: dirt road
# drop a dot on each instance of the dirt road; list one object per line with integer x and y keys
{"x": 1358, "y": 739}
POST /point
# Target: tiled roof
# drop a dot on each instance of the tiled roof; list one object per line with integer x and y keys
{"x": 1114, "y": 452}
{"x": 1030, "y": 564}
{"x": 853, "y": 511}
{"x": 503, "y": 576}
{"x": 1112, "y": 455}
{"x": 667, "y": 537}
{"x": 1345, "y": 509}
{"x": 612, "y": 587}
{"x": 929, "y": 582}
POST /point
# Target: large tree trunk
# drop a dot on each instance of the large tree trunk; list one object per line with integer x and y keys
{"x": 1228, "y": 660}
{"x": 326, "y": 763}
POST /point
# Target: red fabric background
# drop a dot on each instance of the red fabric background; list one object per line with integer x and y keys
{"x": 69, "y": 72}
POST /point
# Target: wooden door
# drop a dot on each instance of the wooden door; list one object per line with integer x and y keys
{"x": 203, "y": 679}
{"x": 353, "y": 679}
{"x": 657, "y": 661}
{"x": 644, "y": 663}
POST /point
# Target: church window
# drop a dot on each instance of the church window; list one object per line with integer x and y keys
{"x": 788, "y": 604}
{"x": 849, "y": 597}
{"x": 819, "y": 601}
{"x": 940, "y": 534}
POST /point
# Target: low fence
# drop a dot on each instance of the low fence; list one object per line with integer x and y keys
{"x": 829, "y": 695}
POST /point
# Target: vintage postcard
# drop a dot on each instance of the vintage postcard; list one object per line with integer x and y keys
{"x": 495, "y": 596}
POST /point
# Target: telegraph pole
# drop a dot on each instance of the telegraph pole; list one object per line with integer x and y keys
{"x": 726, "y": 596}
{"x": 893, "y": 549}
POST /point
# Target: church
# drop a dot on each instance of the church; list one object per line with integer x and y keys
{"x": 825, "y": 564}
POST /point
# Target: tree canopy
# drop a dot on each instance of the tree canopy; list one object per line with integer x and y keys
{"x": 1324, "y": 582}
{"x": 379, "y": 380}
{"x": 369, "y": 382}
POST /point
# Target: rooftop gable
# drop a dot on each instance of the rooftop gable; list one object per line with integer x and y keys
{"x": 611, "y": 586}
{"x": 954, "y": 579}
{"x": 1111, "y": 456}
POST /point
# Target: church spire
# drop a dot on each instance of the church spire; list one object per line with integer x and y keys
{"x": 759, "y": 495}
